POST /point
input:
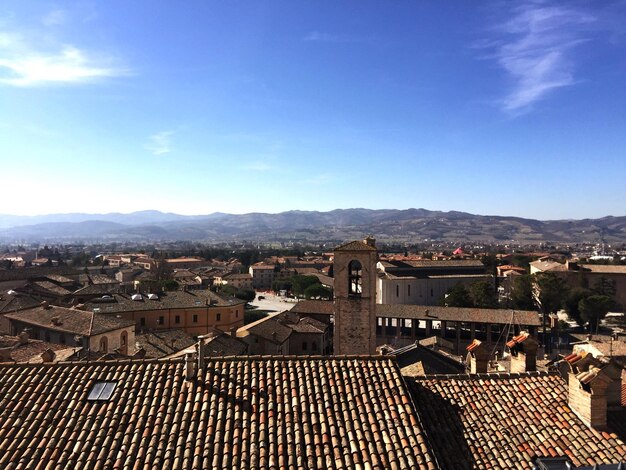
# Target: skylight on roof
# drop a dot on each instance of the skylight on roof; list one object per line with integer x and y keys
{"x": 101, "y": 391}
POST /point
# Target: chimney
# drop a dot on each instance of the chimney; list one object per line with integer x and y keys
{"x": 5, "y": 354}
{"x": 56, "y": 321}
{"x": 45, "y": 305}
{"x": 274, "y": 336}
{"x": 23, "y": 337}
{"x": 614, "y": 391}
{"x": 523, "y": 349}
{"x": 588, "y": 396}
{"x": 233, "y": 331}
{"x": 478, "y": 357}
{"x": 190, "y": 367}
{"x": 371, "y": 241}
{"x": 48, "y": 355}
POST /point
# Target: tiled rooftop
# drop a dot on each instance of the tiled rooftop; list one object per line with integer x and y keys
{"x": 341, "y": 413}
{"x": 69, "y": 320}
{"x": 355, "y": 246}
{"x": 314, "y": 306}
{"x": 476, "y": 315}
{"x": 501, "y": 421}
{"x": 164, "y": 300}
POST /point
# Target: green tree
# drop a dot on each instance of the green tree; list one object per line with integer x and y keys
{"x": 522, "y": 293}
{"x": 245, "y": 294}
{"x": 162, "y": 270}
{"x": 594, "y": 308}
{"x": 315, "y": 291}
{"x": 550, "y": 292}
{"x": 250, "y": 316}
{"x": 457, "y": 296}
{"x": 300, "y": 283}
{"x": 604, "y": 286}
{"x": 483, "y": 295}
{"x": 281, "y": 284}
{"x": 572, "y": 301}
{"x": 228, "y": 290}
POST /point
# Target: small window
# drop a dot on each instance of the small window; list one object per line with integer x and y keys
{"x": 432, "y": 293}
{"x": 408, "y": 290}
{"x": 62, "y": 339}
{"x": 101, "y": 391}
{"x": 314, "y": 346}
{"x": 397, "y": 290}
{"x": 47, "y": 337}
{"x": 142, "y": 321}
{"x": 195, "y": 318}
{"x": 218, "y": 317}
{"x": 177, "y": 319}
{"x": 161, "y": 320}
{"x": 304, "y": 346}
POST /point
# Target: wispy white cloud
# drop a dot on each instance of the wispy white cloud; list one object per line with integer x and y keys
{"x": 318, "y": 36}
{"x": 160, "y": 143}
{"x": 535, "y": 47}
{"x": 23, "y": 65}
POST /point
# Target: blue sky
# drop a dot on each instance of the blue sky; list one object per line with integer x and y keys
{"x": 508, "y": 108}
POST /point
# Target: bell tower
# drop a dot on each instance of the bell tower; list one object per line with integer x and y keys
{"x": 354, "y": 269}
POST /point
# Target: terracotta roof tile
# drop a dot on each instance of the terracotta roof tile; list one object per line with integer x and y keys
{"x": 504, "y": 420}
{"x": 243, "y": 413}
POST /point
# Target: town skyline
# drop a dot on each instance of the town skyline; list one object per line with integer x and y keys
{"x": 496, "y": 108}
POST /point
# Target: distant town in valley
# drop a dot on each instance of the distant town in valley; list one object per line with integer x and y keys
{"x": 546, "y": 317}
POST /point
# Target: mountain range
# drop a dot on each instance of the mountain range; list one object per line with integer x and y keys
{"x": 410, "y": 225}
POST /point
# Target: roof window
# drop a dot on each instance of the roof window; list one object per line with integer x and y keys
{"x": 101, "y": 391}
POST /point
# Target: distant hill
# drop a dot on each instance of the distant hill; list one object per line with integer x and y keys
{"x": 337, "y": 225}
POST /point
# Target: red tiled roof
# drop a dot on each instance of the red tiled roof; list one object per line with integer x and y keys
{"x": 502, "y": 421}
{"x": 271, "y": 412}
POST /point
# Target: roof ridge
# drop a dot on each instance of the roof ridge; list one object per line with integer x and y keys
{"x": 487, "y": 375}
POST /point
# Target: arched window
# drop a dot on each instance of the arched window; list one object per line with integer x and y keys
{"x": 355, "y": 279}
{"x": 104, "y": 345}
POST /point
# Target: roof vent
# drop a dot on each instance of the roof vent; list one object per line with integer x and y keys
{"x": 153, "y": 296}
{"x": 137, "y": 297}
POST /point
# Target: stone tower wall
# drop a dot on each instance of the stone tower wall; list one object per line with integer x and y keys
{"x": 355, "y": 317}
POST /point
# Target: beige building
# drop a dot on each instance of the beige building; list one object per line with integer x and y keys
{"x": 262, "y": 276}
{"x": 71, "y": 327}
{"x": 240, "y": 281}
{"x": 425, "y": 282}
{"x": 196, "y": 312}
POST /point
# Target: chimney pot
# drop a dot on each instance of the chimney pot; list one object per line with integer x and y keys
{"x": 48, "y": 355}
{"x": 190, "y": 367}
{"x": 23, "y": 337}
{"x": 5, "y": 354}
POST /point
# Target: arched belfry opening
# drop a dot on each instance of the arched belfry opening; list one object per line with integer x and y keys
{"x": 355, "y": 278}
